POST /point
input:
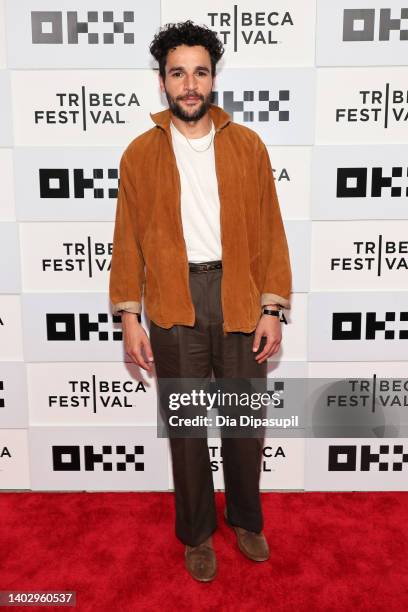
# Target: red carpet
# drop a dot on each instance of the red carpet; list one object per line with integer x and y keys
{"x": 329, "y": 551}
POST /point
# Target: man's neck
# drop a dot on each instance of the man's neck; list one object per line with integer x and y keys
{"x": 193, "y": 129}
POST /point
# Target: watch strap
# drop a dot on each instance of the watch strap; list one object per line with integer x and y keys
{"x": 268, "y": 311}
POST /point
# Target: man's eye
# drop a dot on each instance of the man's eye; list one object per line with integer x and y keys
{"x": 199, "y": 72}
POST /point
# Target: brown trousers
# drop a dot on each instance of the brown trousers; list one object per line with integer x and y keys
{"x": 196, "y": 352}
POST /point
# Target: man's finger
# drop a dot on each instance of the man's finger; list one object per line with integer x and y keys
{"x": 273, "y": 349}
{"x": 148, "y": 349}
{"x": 265, "y": 350}
{"x": 276, "y": 347}
{"x": 138, "y": 357}
{"x": 257, "y": 340}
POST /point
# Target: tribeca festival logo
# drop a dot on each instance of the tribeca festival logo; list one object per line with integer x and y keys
{"x": 371, "y": 24}
{"x": 89, "y": 257}
{"x": 376, "y": 107}
{"x": 87, "y": 107}
{"x": 98, "y": 27}
{"x": 374, "y": 393}
{"x": 269, "y": 455}
{"x": 96, "y": 183}
{"x": 369, "y": 326}
{"x": 261, "y": 105}
{"x": 344, "y": 458}
{"x": 66, "y": 458}
{"x": 95, "y": 394}
{"x": 377, "y": 256}
{"x": 375, "y": 182}
{"x": 244, "y": 28}
{"x": 73, "y": 327}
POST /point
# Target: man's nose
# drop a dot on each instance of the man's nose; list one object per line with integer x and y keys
{"x": 190, "y": 82}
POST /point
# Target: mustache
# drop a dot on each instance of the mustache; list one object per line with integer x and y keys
{"x": 190, "y": 95}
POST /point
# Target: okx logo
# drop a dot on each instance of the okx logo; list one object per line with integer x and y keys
{"x": 261, "y": 105}
{"x": 75, "y": 458}
{"x": 277, "y": 389}
{"x": 71, "y": 326}
{"x": 369, "y": 326}
{"x": 55, "y": 183}
{"x": 371, "y": 182}
{"x": 97, "y": 28}
{"x": 351, "y": 458}
{"x": 371, "y": 24}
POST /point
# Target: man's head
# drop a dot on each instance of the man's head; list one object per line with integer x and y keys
{"x": 187, "y": 55}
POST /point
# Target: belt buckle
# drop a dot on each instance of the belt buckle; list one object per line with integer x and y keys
{"x": 213, "y": 266}
{"x": 205, "y": 267}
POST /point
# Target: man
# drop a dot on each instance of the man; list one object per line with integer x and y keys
{"x": 198, "y": 232}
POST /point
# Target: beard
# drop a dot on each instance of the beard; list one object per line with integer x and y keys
{"x": 179, "y": 112}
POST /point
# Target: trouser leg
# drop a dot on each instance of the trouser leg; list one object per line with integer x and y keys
{"x": 233, "y": 358}
{"x": 194, "y": 490}
{"x": 242, "y": 464}
{"x": 183, "y": 352}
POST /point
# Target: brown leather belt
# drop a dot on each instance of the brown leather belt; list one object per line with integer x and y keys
{"x": 205, "y": 266}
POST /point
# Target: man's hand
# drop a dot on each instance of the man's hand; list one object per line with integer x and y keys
{"x": 271, "y": 328}
{"x": 136, "y": 339}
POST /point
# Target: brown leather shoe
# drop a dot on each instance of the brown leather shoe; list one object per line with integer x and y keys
{"x": 253, "y": 545}
{"x": 201, "y": 562}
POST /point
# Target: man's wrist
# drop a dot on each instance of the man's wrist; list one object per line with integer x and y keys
{"x": 271, "y": 311}
{"x": 271, "y": 307}
{"x": 135, "y": 315}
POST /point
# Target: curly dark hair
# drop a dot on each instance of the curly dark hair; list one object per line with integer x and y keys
{"x": 172, "y": 35}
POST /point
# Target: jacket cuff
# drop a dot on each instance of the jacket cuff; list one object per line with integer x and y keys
{"x": 135, "y": 307}
{"x": 272, "y": 298}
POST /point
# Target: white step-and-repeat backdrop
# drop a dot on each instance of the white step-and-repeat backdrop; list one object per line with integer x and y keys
{"x": 325, "y": 84}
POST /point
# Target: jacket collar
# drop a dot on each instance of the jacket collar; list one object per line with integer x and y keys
{"x": 219, "y": 116}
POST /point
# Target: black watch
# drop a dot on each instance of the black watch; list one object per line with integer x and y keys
{"x": 274, "y": 313}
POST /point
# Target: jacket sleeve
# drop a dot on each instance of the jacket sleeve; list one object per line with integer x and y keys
{"x": 276, "y": 275}
{"x": 127, "y": 274}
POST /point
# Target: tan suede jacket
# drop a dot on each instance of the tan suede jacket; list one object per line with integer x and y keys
{"x": 149, "y": 256}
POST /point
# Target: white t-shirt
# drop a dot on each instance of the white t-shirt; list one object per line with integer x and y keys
{"x": 200, "y": 204}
